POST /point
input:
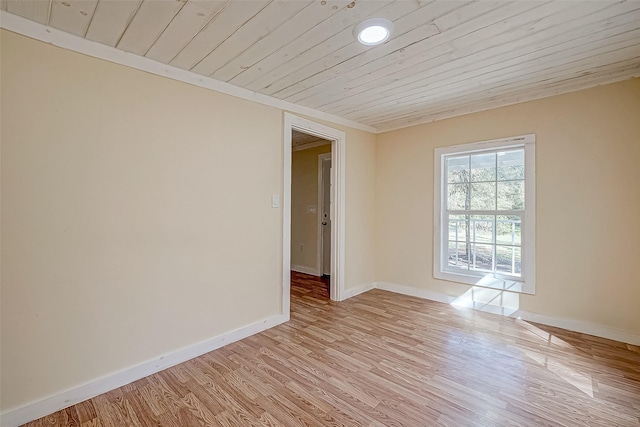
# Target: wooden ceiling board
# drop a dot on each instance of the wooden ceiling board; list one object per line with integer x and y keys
{"x": 310, "y": 16}
{"x": 409, "y": 31}
{"x": 353, "y": 56}
{"x": 414, "y": 47}
{"x": 550, "y": 88}
{"x": 493, "y": 99}
{"x": 110, "y": 20}
{"x": 301, "y": 141}
{"x": 225, "y": 23}
{"x": 332, "y": 51}
{"x": 296, "y": 55}
{"x": 332, "y": 81}
{"x": 149, "y": 22}
{"x": 480, "y": 94}
{"x": 471, "y": 60}
{"x": 473, "y": 10}
{"x": 261, "y": 25}
{"x": 72, "y": 16}
{"x": 575, "y": 54}
{"x": 258, "y": 75}
{"x": 411, "y": 55}
{"x": 34, "y": 10}
{"x": 445, "y": 57}
{"x": 573, "y": 58}
{"x": 183, "y": 28}
{"x": 407, "y": 63}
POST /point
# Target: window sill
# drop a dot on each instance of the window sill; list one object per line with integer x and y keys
{"x": 487, "y": 281}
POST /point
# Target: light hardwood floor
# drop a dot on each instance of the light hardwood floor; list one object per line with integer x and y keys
{"x": 382, "y": 359}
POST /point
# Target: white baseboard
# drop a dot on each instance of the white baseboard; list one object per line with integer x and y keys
{"x": 569, "y": 324}
{"x": 579, "y": 326}
{"x": 56, "y": 402}
{"x": 414, "y": 292}
{"x": 305, "y": 270}
{"x": 352, "y": 292}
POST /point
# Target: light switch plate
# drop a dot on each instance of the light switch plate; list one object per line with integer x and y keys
{"x": 275, "y": 200}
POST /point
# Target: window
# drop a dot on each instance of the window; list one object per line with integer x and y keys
{"x": 484, "y": 212}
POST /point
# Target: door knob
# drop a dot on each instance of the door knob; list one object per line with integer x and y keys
{"x": 324, "y": 223}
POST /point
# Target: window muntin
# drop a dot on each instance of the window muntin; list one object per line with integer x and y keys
{"x": 484, "y": 213}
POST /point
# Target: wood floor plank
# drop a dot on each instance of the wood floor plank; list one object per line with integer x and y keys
{"x": 86, "y": 411}
{"x": 382, "y": 359}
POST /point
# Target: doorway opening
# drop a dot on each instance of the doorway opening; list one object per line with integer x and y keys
{"x": 313, "y": 208}
{"x": 310, "y": 215}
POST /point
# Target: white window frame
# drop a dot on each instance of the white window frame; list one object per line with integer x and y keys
{"x": 527, "y": 283}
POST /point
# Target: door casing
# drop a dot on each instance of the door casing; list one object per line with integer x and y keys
{"x": 338, "y": 151}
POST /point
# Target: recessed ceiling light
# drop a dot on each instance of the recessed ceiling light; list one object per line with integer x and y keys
{"x": 373, "y": 31}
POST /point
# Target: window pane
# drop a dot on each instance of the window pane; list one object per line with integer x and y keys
{"x": 458, "y": 169}
{"x": 504, "y": 259}
{"x": 508, "y": 260}
{"x": 457, "y": 197}
{"x": 508, "y": 230}
{"x": 483, "y": 196}
{"x": 482, "y": 228}
{"x": 483, "y": 167}
{"x": 482, "y": 257}
{"x": 518, "y": 260}
{"x": 458, "y": 255}
{"x": 511, "y": 165}
{"x": 510, "y": 195}
{"x": 458, "y": 225}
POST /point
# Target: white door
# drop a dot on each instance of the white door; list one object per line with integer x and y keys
{"x": 326, "y": 216}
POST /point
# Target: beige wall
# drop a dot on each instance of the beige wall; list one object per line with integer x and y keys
{"x": 304, "y": 192}
{"x": 360, "y": 209}
{"x": 588, "y": 201}
{"x": 136, "y": 216}
{"x": 132, "y": 206}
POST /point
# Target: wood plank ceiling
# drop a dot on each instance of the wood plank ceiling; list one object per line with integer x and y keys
{"x": 302, "y": 141}
{"x": 445, "y": 57}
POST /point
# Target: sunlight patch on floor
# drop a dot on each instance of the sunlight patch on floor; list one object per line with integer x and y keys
{"x": 503, "y": 302}
{"x": 543, "y": 335}
{"x": 489, "y": 300}
{"x": 582, "y": 382}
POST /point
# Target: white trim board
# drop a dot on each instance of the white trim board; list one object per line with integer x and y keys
{"x": 352, "y": 292}
{"x": 50, "y": 35}
{"x": 306, "y": 270}
{"x": 568, "y": 324}
{"x": 69, "y": 397}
